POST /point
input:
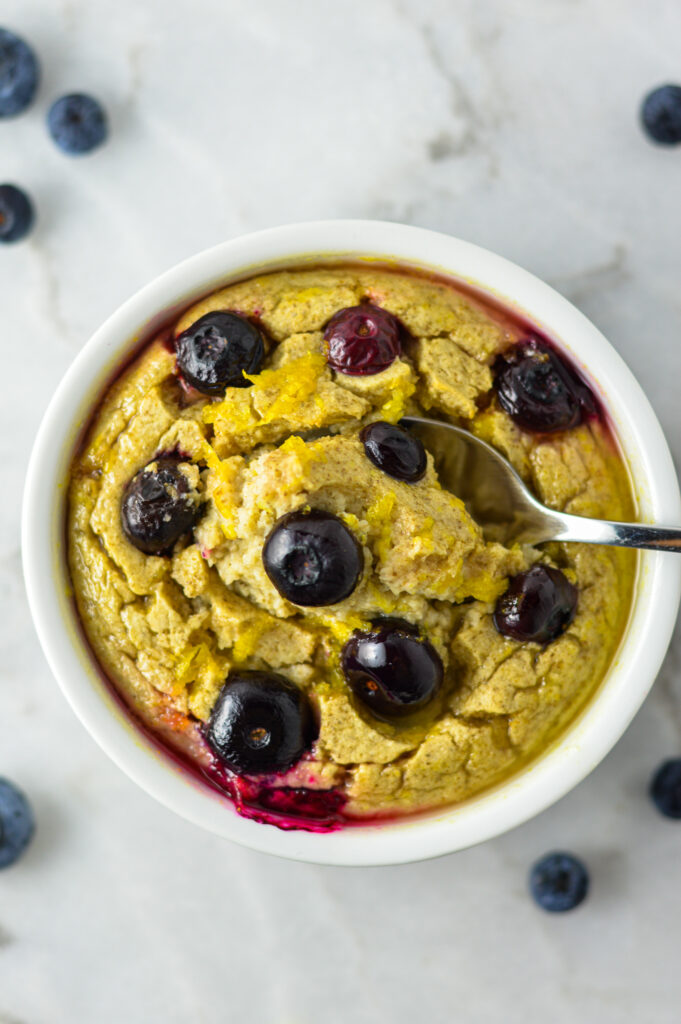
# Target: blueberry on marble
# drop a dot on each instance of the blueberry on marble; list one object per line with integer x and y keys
{"x": 77, "y": 123}
{"x": 394, "y": 450}
{"x": 665, "y": 788}
{"x": 559, "y": 882}
{"x": 392, "y": 670}
{"x": 216, "y": 351}
{"x": 539, "y": 390}
{"x": 260, "y": 723}
{"x": 538, "y": 605}
{"x": 17, "y": 824}
{"x": 661, "y": 115}
{"x": 312, "y": 558}
{"x": 19, "y": 73}
{"x": 158, "y": 507}
{"x": 16, "y": 213}
{"x": 362, "y": 340}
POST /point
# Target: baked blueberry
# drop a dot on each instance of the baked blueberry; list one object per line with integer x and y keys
{"x": 159, "y": 506}
{"x": 665, "y": 788}
{"x": 539, "y": 605}
{"x": 539, "y": 390}
{"x": 260, "y": 723}
{"x": 392, "y": 670}
{"x": 661, "y": 115}
{"x": 16, "y": 213}
{"x": 19, "y": 74}
{"x": 362, "y": 340}
{"x": 312, "y": 558}
{"x": 559, "y": 882}
{"x": 77, "y": 123}
{"x": 216, "y": 351}
{"x": 17, "y": 824}
{"x": 394, "y": 450}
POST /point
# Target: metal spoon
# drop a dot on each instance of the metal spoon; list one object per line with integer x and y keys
{"x": 502, "y": 505}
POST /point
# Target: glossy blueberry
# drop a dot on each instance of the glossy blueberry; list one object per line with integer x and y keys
{"x": 19, "y": 74}
{"x": 559, "y": 882}
{"x": 661, "y": 115}
{"x": 394, "y": 450}
{"x": 16, "y": 214}
{"x": 158, "y": 507}
{"x": 539, "y": 390}
{"x": 665, "y": 788}
{"x": 392, "y": 670}
{"x": 216, "y": 351}
{"x": 312, "y": 558}
{"x": 77, "y": 123}
{"x": 538, "y": 605}
{"x": 17, "y": 824}
{"x": 260, "y": 723}
{"x": 362, "y": 340}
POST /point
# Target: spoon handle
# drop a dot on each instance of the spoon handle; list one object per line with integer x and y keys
{"x": 623, "y": 535}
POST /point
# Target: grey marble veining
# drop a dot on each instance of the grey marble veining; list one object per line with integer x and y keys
{"x": 512, "y": 125}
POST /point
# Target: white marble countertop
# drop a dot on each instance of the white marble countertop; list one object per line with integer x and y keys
{"x": 512, "y": 125}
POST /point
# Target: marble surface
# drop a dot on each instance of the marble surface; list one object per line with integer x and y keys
{"x": 512, "y": 125}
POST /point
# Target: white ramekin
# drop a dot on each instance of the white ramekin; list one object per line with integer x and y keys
{"x": 551, "y": 776}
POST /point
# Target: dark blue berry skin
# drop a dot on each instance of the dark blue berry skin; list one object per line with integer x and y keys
{"x": 665, "y": 788}
{"x": 17, "y": 824}
{"x": 216, "y": 351}
{"x": 261, "y": 723}
{"x": 394, "y": 451}
{"x": 77, "y": 123}
{"x": 312, "y": 558}
{"x": 16, "y": 214}
{"x": 392, "y": 670}
{"x": 158, "y": 508}
{"x": 538, "y": 606}
{"x": 19, "y": 74}
{"x": 559, "y": 882}
{"x": 661, "y": 115}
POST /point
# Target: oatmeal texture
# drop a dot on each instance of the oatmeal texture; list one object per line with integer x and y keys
{"x": 168, "y": 629}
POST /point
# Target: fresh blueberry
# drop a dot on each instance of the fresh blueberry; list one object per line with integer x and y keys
{"x": 539, "y": 390}
{"x": 158, "y": 507}
{"x": 77, "y": 123}
{"x": 392, "y": 670}
{"x": 312, "y": 558}
{"x": 216, "y": 351}
{"x": 538, "y": 605}
{"x": 17, "y": 824}
{"x": 661, "y": 115}
{"x": 19, "y": 74}
{"x": 559, "y": 882}
{"x": 394, "y": 450}
{"x": 362, "y": 340}
{"x": 16, "y": 214}
{"x": 260, "y": 723}
{"x": 665, "y": 788}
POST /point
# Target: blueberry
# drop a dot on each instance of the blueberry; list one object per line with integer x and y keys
{"x": 539, "y": 390}
{"x": 558, "y": 882}
{"x": 158, "y": 507}
{"x": 17, "y": 824}
{"x": 16, "y": 214}
{"x": 216, "y": 351}
{"x": 394, "y": 450}
{"x": 538, "y": 605}
{"x": 77, "y": 123}
{"x": 312, "y": 558}
{"x": 260, "y": 723}
{"x": 362, "y": 340}
{"x": 661, "y": 115}
{"x": 19, "y": 74}
{"x": 392, "y": 670}
{"x": 665, "y": 788}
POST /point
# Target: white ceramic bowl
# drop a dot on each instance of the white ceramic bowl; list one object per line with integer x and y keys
{"x": 584, "y": 744}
